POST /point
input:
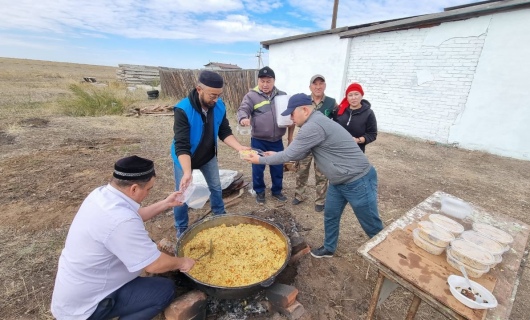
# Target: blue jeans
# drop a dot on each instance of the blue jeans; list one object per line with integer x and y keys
{"x": 141, "y": 298}
{"x": 210, "y": 171}
{"x": 361, "y": 194}
{"x": 258, "y": 181}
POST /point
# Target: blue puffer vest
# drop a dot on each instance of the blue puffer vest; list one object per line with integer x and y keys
{"x": 196, "y": 125}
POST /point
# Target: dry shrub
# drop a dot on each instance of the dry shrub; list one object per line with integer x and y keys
{"x": 89, "y": 100}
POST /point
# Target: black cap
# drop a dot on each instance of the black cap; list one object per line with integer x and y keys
{"x": 134, "y": 168}
{"x": 211, "y": 79}
{"x": 266, "y": 72}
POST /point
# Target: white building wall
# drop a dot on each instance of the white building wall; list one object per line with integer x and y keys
{"x": 295, "y": 62}
{"x": 418, "y": 80}
{"x": 463, "y": 82}
{"x": 496, "y": 117}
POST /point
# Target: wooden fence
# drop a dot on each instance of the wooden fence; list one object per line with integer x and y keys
{"x": 177, "y": 83}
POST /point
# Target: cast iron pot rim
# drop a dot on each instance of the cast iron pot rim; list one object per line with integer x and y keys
{"x": 265, "y": 283}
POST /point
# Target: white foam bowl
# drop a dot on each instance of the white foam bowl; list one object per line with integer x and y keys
{"x": 455, "y": 282}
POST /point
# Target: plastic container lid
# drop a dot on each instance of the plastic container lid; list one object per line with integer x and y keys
{"x": 425, "y": 245}
{"x": 244, "y": 130}
{"x": 482, "y": 241}
{"x": 455, "y": 207}
{"x": 494, "y": 233}
{"x": 457, "y": 283}
{"x": 195, "y": 196}
{"x": 471, "y": 254}
{"x": 436, "y": 236}
{"x": 472, "y": 272}
{"x": 447, "y": 223}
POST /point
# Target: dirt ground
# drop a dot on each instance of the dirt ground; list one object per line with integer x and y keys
{"x": 50, "y": 163}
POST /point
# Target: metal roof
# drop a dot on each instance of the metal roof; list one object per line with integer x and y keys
{"x": 223, "y": 65}
{"x": 450, "y": 14}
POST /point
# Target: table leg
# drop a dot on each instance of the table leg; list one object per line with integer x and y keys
{"x": 375, "y": 296}
{"x": 413, "y": 308}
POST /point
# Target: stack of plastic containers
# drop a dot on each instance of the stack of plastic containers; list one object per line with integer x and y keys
{"x": 477, "y": 250}
{"x": 431, "y": 239}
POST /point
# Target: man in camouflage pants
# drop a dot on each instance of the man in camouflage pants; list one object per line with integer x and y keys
{"x": 324, "y": 104}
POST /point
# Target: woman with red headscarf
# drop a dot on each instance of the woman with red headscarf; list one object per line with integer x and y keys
{"x": 355, "y": 115}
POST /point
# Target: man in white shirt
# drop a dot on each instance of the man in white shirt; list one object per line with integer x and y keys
{"x": 107, "y": 248}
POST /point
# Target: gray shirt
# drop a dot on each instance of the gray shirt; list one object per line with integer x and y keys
{"x": 336, "y": 154}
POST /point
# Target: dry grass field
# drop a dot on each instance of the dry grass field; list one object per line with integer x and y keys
{"x": 49, "y": 163}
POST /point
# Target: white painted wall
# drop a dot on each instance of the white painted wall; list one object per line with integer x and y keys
{"x": 462, "y": 82}
{"x": 418, "y": 80}
{"x": 295, "y": 62}
{"x": 497, "y": 113}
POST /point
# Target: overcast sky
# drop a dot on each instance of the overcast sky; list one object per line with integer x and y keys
{"x": 178, "y": 33}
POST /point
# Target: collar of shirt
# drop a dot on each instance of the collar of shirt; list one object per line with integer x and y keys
{"x": 318, "y": 105}
{"x": 135, "y": 205}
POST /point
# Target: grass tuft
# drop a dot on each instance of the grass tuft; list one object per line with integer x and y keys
{"x": 94, "y": 101}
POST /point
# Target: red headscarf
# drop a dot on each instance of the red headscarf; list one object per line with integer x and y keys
{"x": 345, "y": 104}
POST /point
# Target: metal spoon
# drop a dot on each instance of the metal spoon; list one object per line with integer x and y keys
{"x": 478, "y": 299}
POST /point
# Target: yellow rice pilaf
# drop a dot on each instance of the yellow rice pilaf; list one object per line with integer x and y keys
{"x": 242, "y": 255}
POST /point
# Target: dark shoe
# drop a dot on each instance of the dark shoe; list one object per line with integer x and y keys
{"x": 180, "y": 231}
{"x": 296, "y": 202}
{"x": 260, "y": 198}
{"x": 280, "y": 197}
{"x": 321, "y": 253}
{"x": 319, "y": 207}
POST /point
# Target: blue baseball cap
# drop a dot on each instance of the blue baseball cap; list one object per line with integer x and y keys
{"x": 297, "y": 100}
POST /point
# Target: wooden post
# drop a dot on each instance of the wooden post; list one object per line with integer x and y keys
{"x": 413, "y": 308}
{"x": 334, "y": 19}
{"x": 375, "y": 296}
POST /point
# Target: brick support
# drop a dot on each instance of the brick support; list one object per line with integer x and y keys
{"x": 191, "y": 305}
{"x": 281, "y": 295}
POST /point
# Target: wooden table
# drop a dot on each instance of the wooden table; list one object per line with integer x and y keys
{"x": 400, "y": 262}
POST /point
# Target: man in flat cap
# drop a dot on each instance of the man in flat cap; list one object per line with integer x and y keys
{"x": 326, "y": 105}
{"x": 199, "y": 120}
{"x": 108, "y": 247}
{"x": 352, "y": 179}
{"x": 258, "y": 110}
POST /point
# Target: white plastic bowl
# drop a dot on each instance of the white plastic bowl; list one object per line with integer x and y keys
{"x": 455, "y": 282}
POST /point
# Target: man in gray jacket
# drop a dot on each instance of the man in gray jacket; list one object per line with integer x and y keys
{"x": 352, "y": 179}
{"x": 258, "y": 110}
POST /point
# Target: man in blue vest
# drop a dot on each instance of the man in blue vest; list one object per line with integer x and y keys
{"x": 199, "y": 120}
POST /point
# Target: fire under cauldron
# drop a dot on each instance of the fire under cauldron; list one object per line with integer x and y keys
{"x": 222, "y": 292}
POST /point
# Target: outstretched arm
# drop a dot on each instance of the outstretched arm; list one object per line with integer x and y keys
{"x": 166, "y": 263}
{"x": 232, "y": 142}
{"x": 156, "y": 208}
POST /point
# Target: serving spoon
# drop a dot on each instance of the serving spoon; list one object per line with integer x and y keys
{"x": 478, "y": 299}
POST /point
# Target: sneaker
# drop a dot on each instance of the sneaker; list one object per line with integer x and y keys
{"x": 296, "y": 202}
{"x": 319, "y": 207}
{"x": 260, "y": 197}
{"x": 321, "y": 253}
{"x": 280, "y": 197}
